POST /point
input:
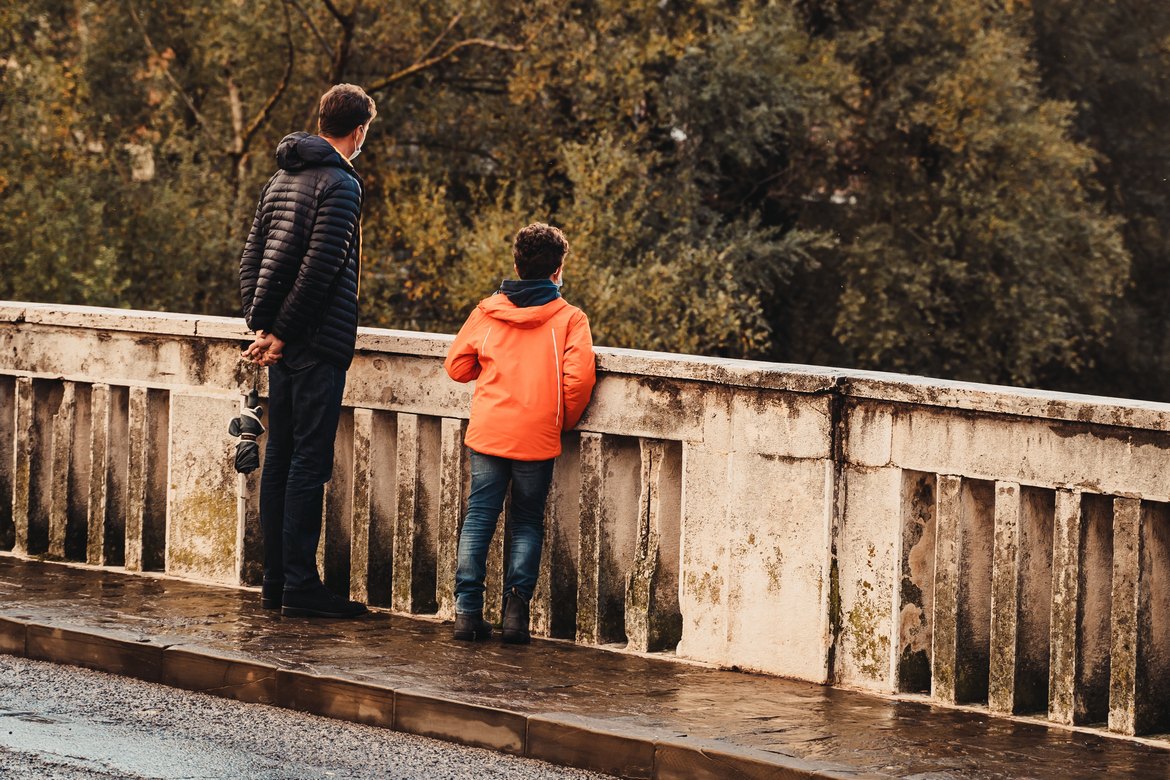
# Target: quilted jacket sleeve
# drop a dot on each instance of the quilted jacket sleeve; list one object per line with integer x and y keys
{"x": 251, "y": 259}
{"x": 333, "y": 231}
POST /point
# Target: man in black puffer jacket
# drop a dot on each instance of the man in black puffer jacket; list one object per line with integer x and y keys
{"x": 299, "y": 284}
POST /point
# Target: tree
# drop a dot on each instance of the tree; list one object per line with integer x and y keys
{"x": 973, "y": 247}
{"x": 1113, "y": 61}
{"x": 951, "y": 188}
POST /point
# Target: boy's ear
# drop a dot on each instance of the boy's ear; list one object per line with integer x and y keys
{"x": 516, "y": 270}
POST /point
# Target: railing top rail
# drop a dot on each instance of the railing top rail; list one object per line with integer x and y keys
{"x": 869, "y": 385}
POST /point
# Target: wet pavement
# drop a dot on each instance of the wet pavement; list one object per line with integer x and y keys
{"x": 556, "y": 685}
{"x": 64, "y": 723}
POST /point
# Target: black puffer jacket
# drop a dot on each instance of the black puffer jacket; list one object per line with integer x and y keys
{"x": 299, "y": 271}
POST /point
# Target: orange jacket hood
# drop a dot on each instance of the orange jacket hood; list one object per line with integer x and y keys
{"x": 498, "y": 307}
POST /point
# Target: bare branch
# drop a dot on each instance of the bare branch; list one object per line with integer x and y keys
{"x": 422, "y": 65}
{"x": 166, "y": 69}
{"x": 342, "y": 19}
{"x": 313, "y": 27}
{"x": 236, "y": 107}
{"x": 435, "y": 43}
{"x": 341, "y": 50}
{"x": 274, "y": 98}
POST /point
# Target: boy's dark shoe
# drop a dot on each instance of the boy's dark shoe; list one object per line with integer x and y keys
{"x": 320, "y": 602}
{"x": 516, "y": 620}
{"x": 471, "y": 626}
{"x": 272, "y": 595}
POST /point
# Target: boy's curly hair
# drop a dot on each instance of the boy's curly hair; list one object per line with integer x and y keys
{"x": 539, "y": 250}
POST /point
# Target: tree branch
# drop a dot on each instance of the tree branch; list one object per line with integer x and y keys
{"x": 342, "y": 19}
{"x": 166, "y": 68}
{"x": 313, "y": 27}
{"x": 341, "y": 50}
{"x": 421, "y": 65}
{"x": 435, "y": 43}
{"x": 282, "y": 85}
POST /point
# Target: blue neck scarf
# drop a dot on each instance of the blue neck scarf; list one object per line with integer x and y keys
{"x": 529, "y": 292}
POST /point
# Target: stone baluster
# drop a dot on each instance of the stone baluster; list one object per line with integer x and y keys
{"x": 339, "y": 520}
{"x": 7, "y": 459}
{"x": 610, "y": 485}
{"x": 136, "y": 479}
{"x": 22, "y": 469}
{"x": 1005, "y": 598}
{"x": 61, "y": 458}
{"x": 554, "y": 603}
{"x": 948, "y": 529}
{"x": 963, "y": 575}
{"x": 1074, "y": 692}
{"x": 652, "y": 617}
{"x": 453, "y": 487}
{"x": 1141, "y": 665}
{"x": 916, "y": 588}
{"x": 372, "y": 543}
{"x": 1126, "y": 615}
{"x": 1139, "y": 661}
{"x": 416, "y": 519}
{"x": 360, "y": 502}
{"x": 149, "y": 414}
{"x": 408, "y": 478}
{"x": 101, "y": 415}
{"x": 1065, "y": 593}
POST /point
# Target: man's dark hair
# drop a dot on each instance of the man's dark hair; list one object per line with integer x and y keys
{"x": 343, "y": 109}
{"x": 539, "y": 250}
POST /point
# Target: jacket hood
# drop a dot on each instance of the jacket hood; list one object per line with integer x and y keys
{"x": 298, "y": 151}
{"x": 530, "y": 292}
{"x": 498, "y": 307}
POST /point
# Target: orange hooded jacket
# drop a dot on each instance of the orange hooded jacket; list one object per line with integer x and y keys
{"x": 534, "y": 372}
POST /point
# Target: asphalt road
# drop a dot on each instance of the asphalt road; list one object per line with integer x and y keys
{"x": 64, "y": 723}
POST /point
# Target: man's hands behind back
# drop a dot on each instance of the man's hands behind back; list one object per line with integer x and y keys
{"x": 265, "y": 350}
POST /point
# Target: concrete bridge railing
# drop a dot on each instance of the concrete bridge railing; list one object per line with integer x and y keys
{"x": 898, "y": 534}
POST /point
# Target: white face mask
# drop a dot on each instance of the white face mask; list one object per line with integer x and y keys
{"x": 358, "y": 150}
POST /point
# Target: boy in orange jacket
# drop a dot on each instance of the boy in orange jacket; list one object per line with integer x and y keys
{"x": 531, "y": 356}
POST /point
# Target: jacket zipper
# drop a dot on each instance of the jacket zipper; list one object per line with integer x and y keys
{"x": 560, "y": 380}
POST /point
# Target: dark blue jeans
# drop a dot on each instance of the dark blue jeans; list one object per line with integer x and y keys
{"x": 304, "y": 406}
{"x": 489, "y": 482}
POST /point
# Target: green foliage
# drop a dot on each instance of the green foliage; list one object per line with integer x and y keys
{"x": 980, "y": 254}
{"x": 947, "y": 187}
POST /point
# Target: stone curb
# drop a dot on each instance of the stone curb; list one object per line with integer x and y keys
{"x": 558, "y": 738}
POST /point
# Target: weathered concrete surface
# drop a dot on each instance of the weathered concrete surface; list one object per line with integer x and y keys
{"x": 868, "y": 529}
{"x": 1066, "y": 597}
{"x": 202, "y": 511}
{"x": 868, "y": 552}
{"x": 580, "y": 704}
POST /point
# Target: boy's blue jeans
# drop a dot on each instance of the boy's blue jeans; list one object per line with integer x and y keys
{"x": 490, "y": 476}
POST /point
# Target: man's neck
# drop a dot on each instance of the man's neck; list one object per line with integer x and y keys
{"x": 341, "y": 145}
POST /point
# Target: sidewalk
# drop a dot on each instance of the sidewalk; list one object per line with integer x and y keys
{"x": 612, "y": 712}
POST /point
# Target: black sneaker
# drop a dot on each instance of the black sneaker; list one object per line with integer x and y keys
{"x": 516, "y": 619}
{"x": 272, "y": 595}
{"x": 471, "y": 626}
{"x": 320, "y": 602}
